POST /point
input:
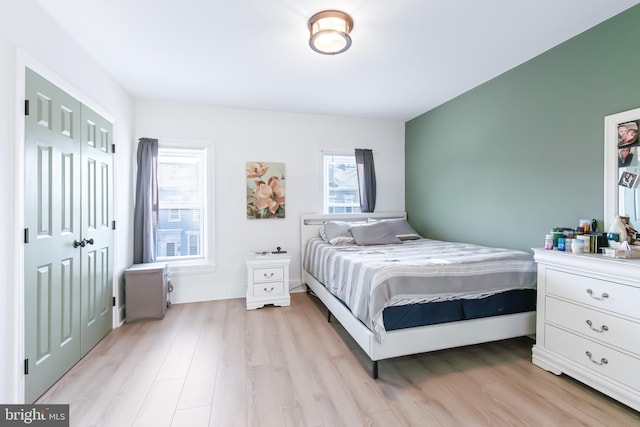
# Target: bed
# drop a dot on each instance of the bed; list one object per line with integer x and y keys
{"x": 373, "y": 297}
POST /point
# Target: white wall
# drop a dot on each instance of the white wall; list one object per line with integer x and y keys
{"x": 29, "y": 38}
{"x": 297, "y": 140}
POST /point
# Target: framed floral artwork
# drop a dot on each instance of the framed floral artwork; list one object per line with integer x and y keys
{"x": 265, "y": 190}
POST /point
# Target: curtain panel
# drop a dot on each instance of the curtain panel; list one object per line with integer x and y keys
{"x": 366, "y": 179}
{"x": 145, "y": 215}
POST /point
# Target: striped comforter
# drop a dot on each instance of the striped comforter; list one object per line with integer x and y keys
{"x": 369, "y": 278}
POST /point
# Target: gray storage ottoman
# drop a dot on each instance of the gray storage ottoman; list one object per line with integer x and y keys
{"x": 146, "y": 291}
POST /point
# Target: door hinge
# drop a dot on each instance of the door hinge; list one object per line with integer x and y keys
{"x": 26, "y": 235}
{"x": 113, "y": 148}
{"x": 113, "y": 224}
{"x": 26, "y": 107}
{"x": 26, "y": 366}
{"x": 114, "y": 302}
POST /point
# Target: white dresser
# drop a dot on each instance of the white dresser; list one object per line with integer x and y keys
{"x": 268, "y": 280}
{"x": 588, "y": 321}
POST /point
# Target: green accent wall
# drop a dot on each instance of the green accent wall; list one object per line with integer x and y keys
{"x": 503, "y": 163}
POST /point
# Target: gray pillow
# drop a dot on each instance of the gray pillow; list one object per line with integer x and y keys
{"x": 375, "y": 233}
{"x": 401, "y": 228}
{"x": 336, "y": 232}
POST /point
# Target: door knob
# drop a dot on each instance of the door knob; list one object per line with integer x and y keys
{"x": 82, "y": 243}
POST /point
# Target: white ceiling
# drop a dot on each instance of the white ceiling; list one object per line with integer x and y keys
{"x": 407, "y": 57}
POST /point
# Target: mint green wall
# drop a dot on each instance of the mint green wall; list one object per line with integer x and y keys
{"x": 506, "y": 161}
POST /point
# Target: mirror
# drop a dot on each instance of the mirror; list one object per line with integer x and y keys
{"x": 621, "y": 167}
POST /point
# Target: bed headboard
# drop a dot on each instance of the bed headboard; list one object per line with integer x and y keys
{"x": 311, "y": 223}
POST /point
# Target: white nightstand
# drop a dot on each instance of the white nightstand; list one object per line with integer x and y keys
{"x": 267, "y": 280}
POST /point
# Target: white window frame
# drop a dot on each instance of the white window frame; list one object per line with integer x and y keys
{"x": 325, "y": 181}
{"x": 206, "y": 261}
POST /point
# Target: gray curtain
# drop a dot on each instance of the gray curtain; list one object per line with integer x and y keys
{"x": 145, "y": 214}
{"x": 366, "y": 179}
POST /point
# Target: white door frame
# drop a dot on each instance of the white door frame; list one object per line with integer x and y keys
{"x": 23, "y": 61}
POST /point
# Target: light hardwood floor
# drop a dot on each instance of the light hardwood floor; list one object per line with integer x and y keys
{"x": 216, "y": 364}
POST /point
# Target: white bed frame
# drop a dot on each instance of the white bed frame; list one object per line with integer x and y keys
{"x": 416, "y": 340}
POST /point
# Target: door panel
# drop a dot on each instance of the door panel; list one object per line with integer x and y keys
{"x": 43, "y": 300}
{"x": 97, "y": 214}
{"x": 52, "y": 216}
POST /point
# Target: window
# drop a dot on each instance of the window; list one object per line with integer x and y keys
{"x": 194, "y": 243}
{"x": 174, "y": 215}
{"x": 184, "y": 200}
{"x": 170, "y": 249}
{"x": 340, "y": 183}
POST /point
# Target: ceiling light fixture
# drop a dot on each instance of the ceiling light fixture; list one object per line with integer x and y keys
{"x": 329, "y": 32}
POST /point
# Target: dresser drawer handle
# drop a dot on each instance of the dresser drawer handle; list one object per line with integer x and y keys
{"x": 268, "y": 290}
{"x": 268, "y": 276}
{"x": 603, "y": 328}
{"x": 600, "y": 298}
{"x": 602, "y": 361}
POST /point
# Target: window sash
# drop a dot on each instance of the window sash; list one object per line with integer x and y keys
{"x": 184, "y": 206}
{"x": 340, "y": 183}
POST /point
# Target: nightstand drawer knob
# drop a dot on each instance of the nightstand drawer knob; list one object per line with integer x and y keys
{"x": 603, "y": 328}
{"x": 269, "y": 290}
{"x": 602, "y": 361}
{"x": 268, "y": 276}
{"x": 599, "y": 298}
